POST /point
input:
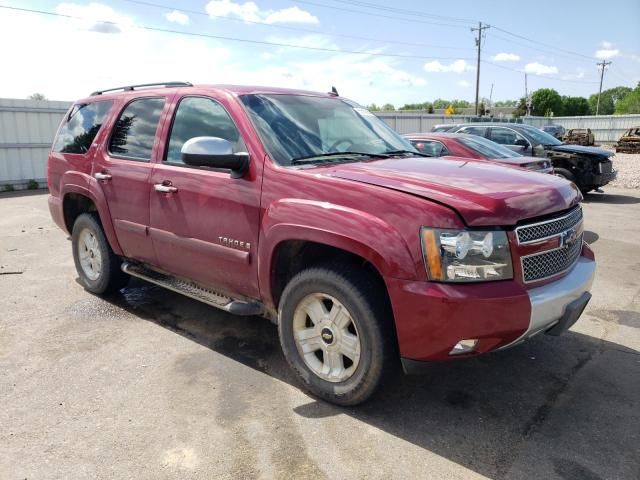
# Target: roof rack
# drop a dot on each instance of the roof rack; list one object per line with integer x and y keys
{"x": 130, "y": 88}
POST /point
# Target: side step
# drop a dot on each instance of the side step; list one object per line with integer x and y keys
{"x": 193, "y": 290}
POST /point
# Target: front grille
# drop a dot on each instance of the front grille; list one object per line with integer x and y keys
{"x": 549, "y": 228}
{"x": 606, "y": 167}
{"x": 552, "y": 262}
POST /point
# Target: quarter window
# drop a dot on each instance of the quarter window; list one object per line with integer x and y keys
{"x": 135, "y": 130}
{"x": 81, "y": 127}
{"x": 201, "y": 117}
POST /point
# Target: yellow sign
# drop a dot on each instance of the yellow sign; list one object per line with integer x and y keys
{"x": 449, "y": 110}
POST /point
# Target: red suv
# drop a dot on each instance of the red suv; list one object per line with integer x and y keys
{"x": 308, "y": 210}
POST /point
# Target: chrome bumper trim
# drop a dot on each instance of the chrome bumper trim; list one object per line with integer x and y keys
{"x": 548, "y": 302}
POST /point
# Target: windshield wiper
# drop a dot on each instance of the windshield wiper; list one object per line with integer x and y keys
{"x": 401, "y": 152}
{"x": 326, "y": 157}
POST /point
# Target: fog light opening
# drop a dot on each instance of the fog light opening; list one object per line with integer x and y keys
{"x": 464, "y": 346}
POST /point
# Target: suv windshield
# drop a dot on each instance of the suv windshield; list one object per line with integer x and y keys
{"x": 295, "y": 127}
{"x": 487, "y": 148}
{"x": 539, "y": 136}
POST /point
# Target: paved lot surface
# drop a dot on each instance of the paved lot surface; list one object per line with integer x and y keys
{"x": 151, "y": 385}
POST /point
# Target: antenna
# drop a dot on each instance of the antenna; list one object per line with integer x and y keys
{"x": 334, "y": 92}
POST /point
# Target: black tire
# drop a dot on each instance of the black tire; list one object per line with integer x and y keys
{"x": 371, "y": 315}
{"x": 110, "y": 277}
{"x": 563, "y": 172}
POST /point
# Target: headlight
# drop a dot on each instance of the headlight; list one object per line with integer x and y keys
{"x": 466, "y": 255}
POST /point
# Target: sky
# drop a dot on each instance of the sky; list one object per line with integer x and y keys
{"x": 372, "y": 51}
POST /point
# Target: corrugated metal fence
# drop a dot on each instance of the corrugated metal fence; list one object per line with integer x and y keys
{"x": 27, "y": 128}
{"x": 415, "y": 122}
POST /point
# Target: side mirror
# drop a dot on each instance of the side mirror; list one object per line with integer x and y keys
{"x": 521, "y": 142}
{"x": 214, "y": 152}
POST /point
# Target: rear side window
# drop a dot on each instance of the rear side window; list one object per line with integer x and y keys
{"x": 81, "y": 127}
{"x": 135, "y": 130}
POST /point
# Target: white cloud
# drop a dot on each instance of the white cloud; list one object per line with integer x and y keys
{"x": 505, "y": 57}
{"x": 177, "y": 17}
{"x": 606, "y": 44}
{"x": 457, "y": 66}
{"x": 364, "y": 78}
{"x": 249, "y": 11}
{"x": 605, "y": 53}
{"x": 93, "y": 16}
{"x": 574, "y": 76}
{"x": 540, "y": 69}
{"x": 464, "y": 84}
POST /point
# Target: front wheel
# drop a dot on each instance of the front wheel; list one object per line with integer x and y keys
{"x": 337, "y": 334}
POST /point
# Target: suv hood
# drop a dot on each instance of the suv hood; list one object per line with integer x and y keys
{"x": 581, "y": 149}
{"x": 481, "y": 192}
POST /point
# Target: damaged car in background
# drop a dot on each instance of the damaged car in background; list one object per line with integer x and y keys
{"x": 629, "y": 141}
{"x": 588, "y": 167}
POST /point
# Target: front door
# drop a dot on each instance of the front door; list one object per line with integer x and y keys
{"x": 511, "y": 139}
{"x": 204, "y": 224}
{"x": 123, "y": 168}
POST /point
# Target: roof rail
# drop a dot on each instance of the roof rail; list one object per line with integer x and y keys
{"x": 130, "y": 88}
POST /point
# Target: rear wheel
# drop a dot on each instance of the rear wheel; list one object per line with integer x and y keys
{"x": 336, "y": 333}
{"x": 98, "y": 267}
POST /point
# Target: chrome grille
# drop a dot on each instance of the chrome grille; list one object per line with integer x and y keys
{"x": 548, "y": 228}
{"x": 552, "y": 262}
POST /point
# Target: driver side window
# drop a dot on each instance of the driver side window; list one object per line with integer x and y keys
{"x": 201, "y": 117}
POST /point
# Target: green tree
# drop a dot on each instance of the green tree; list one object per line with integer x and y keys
{"x": 430, "y": 109}
{"x": 506, "y": 103}
{"x": 37, "y": 96}
{"x": 575, "y": 106}
{"x": 630, "y": 103}
{"x": 521, "y": 108}
{"x": 416, "y": 106}
{"x": 608, "y": 99}
{"x": 546, "y": 102}
{"x": 388, "y": 107}
{"x": 373, "y": 108}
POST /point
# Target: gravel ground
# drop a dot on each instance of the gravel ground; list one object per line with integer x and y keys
{"x": 149, "y": 385}
{"x": 628, "y": 166}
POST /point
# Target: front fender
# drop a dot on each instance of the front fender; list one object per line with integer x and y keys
{"x": 355, "y": 231}
{"x": 82, "y": 184}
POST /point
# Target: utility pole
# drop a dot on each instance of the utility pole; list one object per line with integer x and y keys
{"x": 527, "y": 100}
{"x": 602, "y": 64}
{"x": 480, "y": 29}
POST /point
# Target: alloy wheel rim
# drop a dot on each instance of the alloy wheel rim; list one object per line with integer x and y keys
{"x": 89, "y": 253}
{"x": 326, "y": 337}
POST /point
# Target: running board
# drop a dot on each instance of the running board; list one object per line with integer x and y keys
{"x": 193, "y": 290}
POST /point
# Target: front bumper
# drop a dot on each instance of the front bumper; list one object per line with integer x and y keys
{"x": 602, "y": 179}
{"x": 431, "y": 318}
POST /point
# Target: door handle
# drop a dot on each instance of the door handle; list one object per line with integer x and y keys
{"x": 102, "y": 176}
{"x": 163, "y": 188}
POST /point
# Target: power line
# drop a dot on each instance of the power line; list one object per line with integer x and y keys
{"x": 402, "y": 11}
{"x": 413, "y": 20}
{"x": 237, "y": 39}
{"x": 554, "y": 47}
{"x": 287, "y": 27}
{"x": 536, "y": 75}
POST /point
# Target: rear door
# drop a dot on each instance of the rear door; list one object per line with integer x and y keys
{"x": 123, "y": 168}
{"x": 204, "y": 224}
